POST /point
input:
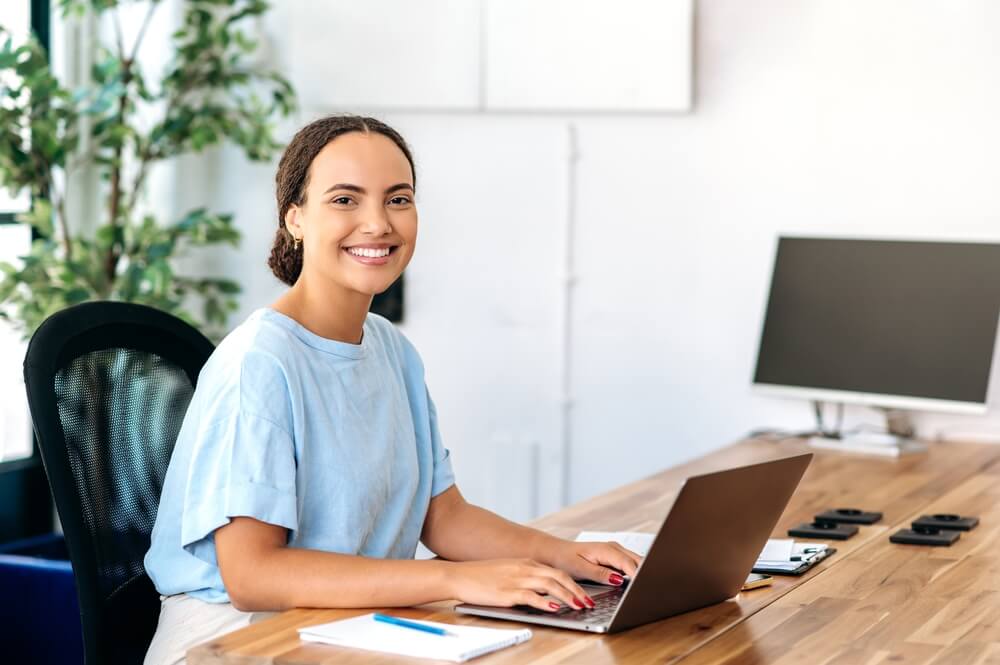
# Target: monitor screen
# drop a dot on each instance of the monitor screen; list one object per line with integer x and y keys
{"x": 894, "y": 318}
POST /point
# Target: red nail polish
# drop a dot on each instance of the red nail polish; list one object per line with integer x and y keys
{"x": 576, "y": 601}
{"x": 590, "y": 601}
{"x": 554, "y": 606}
{"x": 616, "y": 579}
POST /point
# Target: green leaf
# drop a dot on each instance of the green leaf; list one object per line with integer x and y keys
{"x": 108, "y": 236}
{"x": 160, "y": 250}
{"x": 77, "y": 295}
{"x": 39, "y": 217}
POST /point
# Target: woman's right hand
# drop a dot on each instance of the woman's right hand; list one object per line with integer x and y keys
{"x": 508, "y": 582}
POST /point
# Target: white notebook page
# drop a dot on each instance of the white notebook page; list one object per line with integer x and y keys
{"x": 363, "y": 632}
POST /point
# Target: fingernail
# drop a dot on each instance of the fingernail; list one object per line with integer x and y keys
{"x": 590, "y": 601}
{"x": 615, "y": 579}
{"x": 577, "y": 602}
{"x": 554, "y": 606}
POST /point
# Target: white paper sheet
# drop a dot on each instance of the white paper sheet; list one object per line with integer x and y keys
{"x": 782, "y": 553}
{"x": 632, "y": 540}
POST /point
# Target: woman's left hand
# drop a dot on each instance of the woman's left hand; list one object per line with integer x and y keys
{"x": 599, "y": 562}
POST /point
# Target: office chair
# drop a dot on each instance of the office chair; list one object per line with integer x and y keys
{"x": 108, "y": 385}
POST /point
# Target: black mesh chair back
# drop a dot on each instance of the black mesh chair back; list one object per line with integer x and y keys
{"x": 108, "y": 385}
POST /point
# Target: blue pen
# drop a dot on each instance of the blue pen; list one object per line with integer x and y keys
{"x": 396, "y": 621}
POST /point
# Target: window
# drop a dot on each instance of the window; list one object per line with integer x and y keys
{"x": 15, "y": 429}
{"x": 15, "y": 241}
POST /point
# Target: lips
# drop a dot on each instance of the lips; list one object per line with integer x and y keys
{"x": 371, "y": 260}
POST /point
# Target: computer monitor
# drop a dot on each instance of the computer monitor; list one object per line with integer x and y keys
{"x": 887, "y": 323}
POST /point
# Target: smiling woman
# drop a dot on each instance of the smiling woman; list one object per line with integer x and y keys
{"x": 307, "y": 174}
{"x": 310, "y": 462}
{"x": 354, "y": 197}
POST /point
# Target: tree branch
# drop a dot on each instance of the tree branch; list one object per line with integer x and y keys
{"x": 111, "y": 262}
{"x": 142, "y": 30}
{"x": 119, "y": 40}
{"x": 59, "y": 209}
{"x": 145, "y": 157}
{"x": 115, "y": 211}
{"x": 148, "y": 153}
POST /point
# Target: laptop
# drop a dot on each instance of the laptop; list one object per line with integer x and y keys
{"x": 701, "y": 555}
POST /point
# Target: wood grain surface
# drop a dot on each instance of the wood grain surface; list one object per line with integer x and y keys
{"x": 871, "y": 594}
{"x": 889, "y": 603}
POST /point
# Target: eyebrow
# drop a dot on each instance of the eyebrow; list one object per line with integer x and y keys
{"x": 362, "y": 190}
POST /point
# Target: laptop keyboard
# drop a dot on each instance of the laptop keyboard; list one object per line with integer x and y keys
{"x": 604, "y": 608}
{"x": 605, "y": 605}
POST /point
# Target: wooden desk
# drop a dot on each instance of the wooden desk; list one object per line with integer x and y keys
{"x": 854, "y": 590}
{"x": 890, "y": 603}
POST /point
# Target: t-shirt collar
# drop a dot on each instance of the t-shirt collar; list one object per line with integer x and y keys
{"x": 335, "y": 347}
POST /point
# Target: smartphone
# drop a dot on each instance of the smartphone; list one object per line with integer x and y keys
{"x": 755, "y": 580}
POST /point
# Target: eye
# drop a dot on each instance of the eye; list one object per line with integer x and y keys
{"x": 342, "y": 200}
{"x": 400, "y": 200}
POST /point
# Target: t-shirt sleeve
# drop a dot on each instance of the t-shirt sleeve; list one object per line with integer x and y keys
{"x": 443, "y": 476}
{"x": 243, "y": 461}
{"x": 423, "y": 406}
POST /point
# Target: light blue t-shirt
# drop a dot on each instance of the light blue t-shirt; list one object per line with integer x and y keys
{"x": 336, "y": 442}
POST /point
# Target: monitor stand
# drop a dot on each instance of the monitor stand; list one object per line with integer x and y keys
{"x": 896, "y": 441}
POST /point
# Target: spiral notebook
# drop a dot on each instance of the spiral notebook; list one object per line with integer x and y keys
{"x": 363, "y": 632}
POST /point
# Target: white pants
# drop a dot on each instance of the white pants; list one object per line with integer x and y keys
{"x": 186, "y": 622}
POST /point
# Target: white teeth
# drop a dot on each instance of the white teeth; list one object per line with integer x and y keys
{"x": 371, "y": 253}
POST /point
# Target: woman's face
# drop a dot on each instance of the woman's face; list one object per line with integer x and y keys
{"x": 359, "y": 206}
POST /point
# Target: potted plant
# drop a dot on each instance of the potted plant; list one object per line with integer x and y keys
{"x": 121, "y": 123}
{"x": 211, "y": 91}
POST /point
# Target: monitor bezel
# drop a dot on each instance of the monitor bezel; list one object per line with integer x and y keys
{"x": 877, "y": 400}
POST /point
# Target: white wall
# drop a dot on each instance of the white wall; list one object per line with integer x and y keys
{"x": 874, "y": 117}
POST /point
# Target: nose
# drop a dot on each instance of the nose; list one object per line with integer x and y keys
{"x": 376, "y": 222}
